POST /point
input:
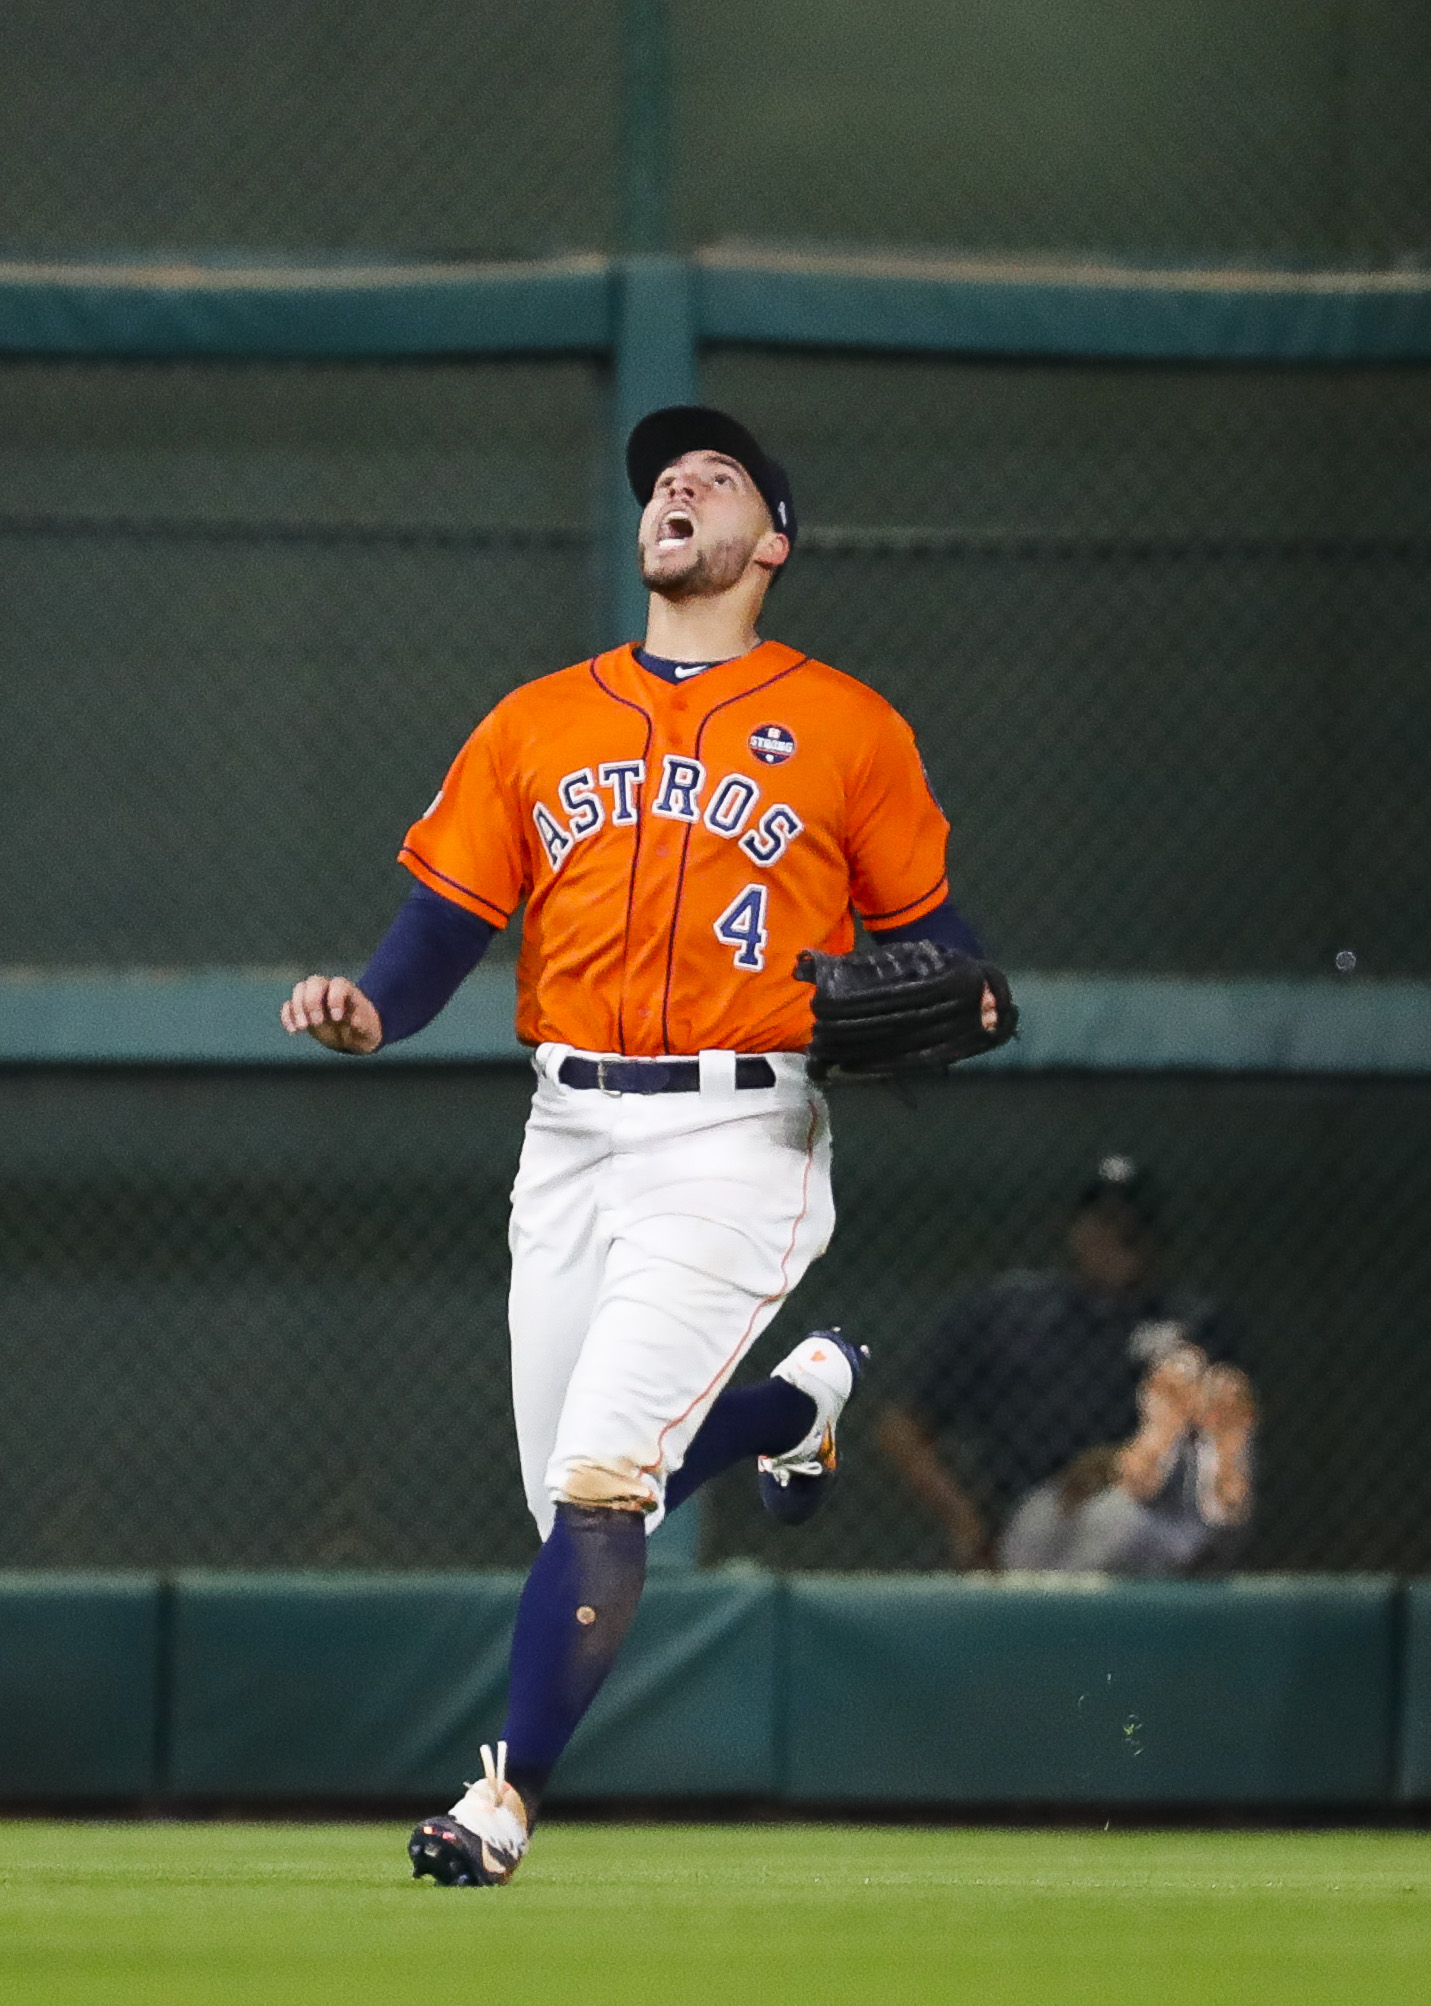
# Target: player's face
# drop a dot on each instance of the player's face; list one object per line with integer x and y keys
{"x": 703, "y": 528}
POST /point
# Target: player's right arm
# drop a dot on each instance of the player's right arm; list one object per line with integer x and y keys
{"x": 472, "y": 870}
{"x": 335, "y": 1011}
{"x": 417, "y": 968}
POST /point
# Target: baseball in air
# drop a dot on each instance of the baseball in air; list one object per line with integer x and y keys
{"x": 1346, "y": 961}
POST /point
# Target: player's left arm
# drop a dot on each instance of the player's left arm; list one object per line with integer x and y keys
{"x": 945, "y": 925}
{"x": 896, "y": 835}
{"x": 896, "y": 843}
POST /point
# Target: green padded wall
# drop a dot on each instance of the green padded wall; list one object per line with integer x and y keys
{"x": 1267, "y": 1691}
{"x": 693, "y": 1708}
{"x": 385, "y": 1686}
{"x": 332, "y": 1686}
{"x": 1413, "y": 1779}
{"x": 78, "y": 1685}
{"x": 818, "y": 1689}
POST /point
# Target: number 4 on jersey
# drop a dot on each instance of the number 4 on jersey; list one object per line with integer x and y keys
{"x": 742, "y": 926}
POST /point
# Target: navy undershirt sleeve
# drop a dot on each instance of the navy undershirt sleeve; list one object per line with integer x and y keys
{"x": 422, "y": 960}
{"x": 946, "y": 926}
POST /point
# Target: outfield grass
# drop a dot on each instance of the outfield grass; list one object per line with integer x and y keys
{"x": 116, "y": 1915}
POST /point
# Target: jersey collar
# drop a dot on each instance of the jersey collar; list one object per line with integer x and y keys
{"x": 720, "y": 683}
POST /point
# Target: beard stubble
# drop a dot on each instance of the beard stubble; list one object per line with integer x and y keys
{"x": 714, "y": 571}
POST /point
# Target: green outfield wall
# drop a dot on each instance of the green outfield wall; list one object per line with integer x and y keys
{"x": 843, "y": 1690}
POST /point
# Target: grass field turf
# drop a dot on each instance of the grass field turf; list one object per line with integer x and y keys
{"x": 601, "y": 1915}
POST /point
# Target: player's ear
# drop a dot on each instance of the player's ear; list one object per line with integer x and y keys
{"x": 772, "y": 551}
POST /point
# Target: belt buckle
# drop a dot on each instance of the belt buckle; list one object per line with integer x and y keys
{"x": 612, "y": 1093}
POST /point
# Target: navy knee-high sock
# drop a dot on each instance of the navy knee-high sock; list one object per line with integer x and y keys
{"x": 575, "y": 1609}
{"x": 585, "y": 1583}
{"x": 744, "y": 1421}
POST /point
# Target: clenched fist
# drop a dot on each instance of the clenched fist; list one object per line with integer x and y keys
{"x": 335, "y": 1011}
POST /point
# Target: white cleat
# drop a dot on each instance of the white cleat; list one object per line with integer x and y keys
{"x": 828, "y": 1368}
{"x": 481, "y": 1840}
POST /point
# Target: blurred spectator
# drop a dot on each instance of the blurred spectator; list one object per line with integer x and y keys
{"x": 1089, "y": 1415}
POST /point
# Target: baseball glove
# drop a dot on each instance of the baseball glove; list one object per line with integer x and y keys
{"x": 909, "y": 1007}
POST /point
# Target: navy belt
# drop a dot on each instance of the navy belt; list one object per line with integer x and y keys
{"x": 654, "y": 1076}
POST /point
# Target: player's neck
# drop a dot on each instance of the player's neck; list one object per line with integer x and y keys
{"x": 702, "y": 630}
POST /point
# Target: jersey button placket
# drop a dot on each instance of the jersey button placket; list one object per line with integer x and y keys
{"x": 653, "y": 894}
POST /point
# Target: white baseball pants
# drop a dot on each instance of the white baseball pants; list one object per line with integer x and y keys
{"x": 653, "y": 1239}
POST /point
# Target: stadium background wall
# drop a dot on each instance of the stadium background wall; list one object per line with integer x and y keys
{"x": 318, "y": 329}
{"x": 214, "y": 1690}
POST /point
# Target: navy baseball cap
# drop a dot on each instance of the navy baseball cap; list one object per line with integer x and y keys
{"x": 662, "y": 436}
{"x": 1121, "y": 1189}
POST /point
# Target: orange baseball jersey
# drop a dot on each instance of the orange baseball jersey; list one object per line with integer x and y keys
{"x": 678, "y": 844}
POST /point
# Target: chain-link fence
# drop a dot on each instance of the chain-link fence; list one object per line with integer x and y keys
{"x": 401, "y": 127}
{"x": 447, "y": 127}
{"x": 258, "y": 1319}
{"x": 1246, "y": 132}
{"x": 1161, "y": 629}
{"x": 250, "y": 612}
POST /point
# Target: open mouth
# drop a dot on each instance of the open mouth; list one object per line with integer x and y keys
{"x": 675, "y": 529}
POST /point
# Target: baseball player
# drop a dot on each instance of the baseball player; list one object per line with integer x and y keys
{"x": 679, "y": 820}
